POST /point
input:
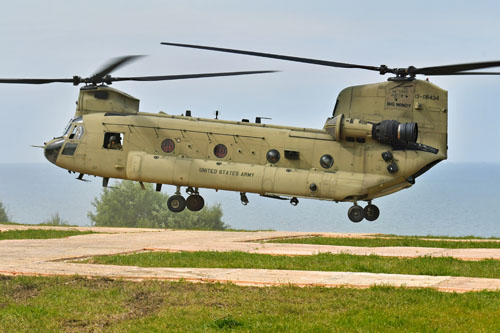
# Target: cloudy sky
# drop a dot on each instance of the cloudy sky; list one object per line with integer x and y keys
{"x": 66, "y": 38}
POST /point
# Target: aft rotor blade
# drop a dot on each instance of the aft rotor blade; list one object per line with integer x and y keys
{"x": 278, "y": 56}
{"x": 186, "y": 76}
{"x": 452, "y": 69}
{"x": 467, "y": 73}
{"x": 114, "y": 64}
{"x": 34, "y": 81}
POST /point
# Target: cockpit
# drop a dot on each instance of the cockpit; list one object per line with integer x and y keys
{"x": 73, "y": 133}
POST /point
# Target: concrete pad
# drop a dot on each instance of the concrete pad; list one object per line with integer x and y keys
{"x": 51, "y": 256}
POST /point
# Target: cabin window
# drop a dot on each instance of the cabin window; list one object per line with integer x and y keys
{"x": 326, "y": 161}
{"x": 113, "y": 140}
{"x": 168, "y": 145}
{"x": 220, "y": 151}
{"x": 292, "y": 154}
{"x": 273, "y": 156}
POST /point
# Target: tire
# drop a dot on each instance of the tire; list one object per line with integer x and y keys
{"x": 356, "y": 214}
{"x": 195, "y": 202}
{"x": 176, "y": 203}
{"x": 371, "y": 212}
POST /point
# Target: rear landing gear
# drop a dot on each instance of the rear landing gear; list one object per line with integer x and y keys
{"x": 357, "y": 213}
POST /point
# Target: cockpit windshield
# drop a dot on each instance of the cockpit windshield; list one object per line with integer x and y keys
{"x": 71, "y": 122}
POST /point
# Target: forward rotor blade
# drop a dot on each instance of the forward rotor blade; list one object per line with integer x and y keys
{"x": 278, "y": 56}
{"x": 451, "y": 69}
{"x": 185, "y": 76}
{"x": 114, "y": 64}
{"x": 34, "y": 81}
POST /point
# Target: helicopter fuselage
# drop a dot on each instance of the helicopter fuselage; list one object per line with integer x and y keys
{"x": 344, "y": 161}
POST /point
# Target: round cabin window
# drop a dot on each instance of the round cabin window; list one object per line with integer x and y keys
{"x": 168, "y": 145}
{"x": 273, "y": 156}
{"x": 326, "y": 161}
{"x": 220, "y": 151}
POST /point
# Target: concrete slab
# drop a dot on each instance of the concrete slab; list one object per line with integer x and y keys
{"x": 50, "y": 257}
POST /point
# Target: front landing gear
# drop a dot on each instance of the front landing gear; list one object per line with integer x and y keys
{"x": 371, "y": 212}
{"x": 195, "y": 202}
{"x": 176, "y": 203}
{"x": 357, "y": 213}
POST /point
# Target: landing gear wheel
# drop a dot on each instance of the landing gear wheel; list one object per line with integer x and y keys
{"x": 195, "y": 202}
{"x": 176, "y": 203}
{"x": 356, "y": 213}
{"x": 371, "y": 212}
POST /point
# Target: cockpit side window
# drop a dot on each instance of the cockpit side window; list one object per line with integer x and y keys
{"x": 73, "y": 132}
{"x": 113, "y": 140}
{"x": 77, "y": 133}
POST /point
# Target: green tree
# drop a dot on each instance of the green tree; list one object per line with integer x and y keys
{"x": 3, "y": 214}
{"x": 127, "y": 205}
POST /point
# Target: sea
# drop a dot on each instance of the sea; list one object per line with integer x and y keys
{"x": 452, "y": 199}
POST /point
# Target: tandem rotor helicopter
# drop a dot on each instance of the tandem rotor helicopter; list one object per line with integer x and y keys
{"x": 379, "y": 139}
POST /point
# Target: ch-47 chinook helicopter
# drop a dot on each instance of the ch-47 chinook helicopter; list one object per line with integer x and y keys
{"x": 380, "y": 138}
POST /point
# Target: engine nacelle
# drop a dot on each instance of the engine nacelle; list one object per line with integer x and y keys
{"x": 390, "y": 132}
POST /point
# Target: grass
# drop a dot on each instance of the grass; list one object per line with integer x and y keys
{"x": 470, "y": 237}
{"x": 464, "y": 243}
{"x": 321, "y": 262}
{"x": 72, "y": 304}
{"x": 40, "y": 234}
{"x": 43, "y": 224}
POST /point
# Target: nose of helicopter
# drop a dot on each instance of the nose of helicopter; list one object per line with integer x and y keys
{"x": 52, "y": 148}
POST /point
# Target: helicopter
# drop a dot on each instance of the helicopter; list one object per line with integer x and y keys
{"x": 379, "y": 139}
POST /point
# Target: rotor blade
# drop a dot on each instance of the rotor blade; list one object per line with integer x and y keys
{"x": 114, "y": 64}
{"x": 450, "y": 69}
{"x": 467, "y": 73}
{"x": 34, "y": 81}
{"x": 185, "y": 76}
{"x": 278, "y": 56}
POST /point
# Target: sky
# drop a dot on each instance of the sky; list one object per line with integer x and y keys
{"x": 64, "y": 38}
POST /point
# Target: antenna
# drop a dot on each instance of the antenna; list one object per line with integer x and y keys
{"x": 258, "y": 120}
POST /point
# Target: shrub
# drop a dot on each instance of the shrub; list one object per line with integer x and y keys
{"x": 56, "y": 220}
{"x": 127, "y": 205}
{"x": 3, "y": 214}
